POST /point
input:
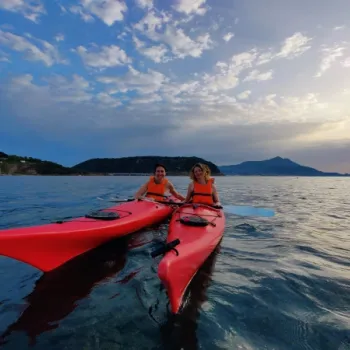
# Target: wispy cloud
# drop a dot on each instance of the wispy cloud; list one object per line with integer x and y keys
{"x": 257, "y": 76}
{"x": 227, "y": 37}
{"x": 31, "y": 10}
{"x": 156, "y": 53}
{"x": 158, "y": 28}
{"x": 46, "y": 53}
{"x": 4, "y": 57}
{"x": 346, "y": 62}
{"x": 134, "y": 80}
{"x": 330, "y": 56}
{"x": 191, "y": 7}
{"x": 108, "y": 11}
{"x": 244, "y": 95}
{"x": 59, "y": 37}
{"x": 294, "y": 46}
{"x": 107, "y": 56}
{"x": 145, "y": 4}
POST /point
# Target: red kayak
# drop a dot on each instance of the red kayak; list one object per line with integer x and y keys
{"x": 194, "y": 232}
{"x": 49, "y": 246}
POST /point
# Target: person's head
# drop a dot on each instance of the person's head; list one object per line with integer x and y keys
{"x": 159, "y": 171}
{"x": 200, "y": 171}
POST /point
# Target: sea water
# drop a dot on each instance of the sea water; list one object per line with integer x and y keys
{"x": 272, "y": 283}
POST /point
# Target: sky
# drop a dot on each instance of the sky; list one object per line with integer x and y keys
{"x": 225, "y": 80}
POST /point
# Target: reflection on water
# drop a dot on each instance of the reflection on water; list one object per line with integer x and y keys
{"x": 57, "y": 293}
{"x": 180, "y": 331}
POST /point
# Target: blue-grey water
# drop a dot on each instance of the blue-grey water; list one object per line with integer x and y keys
{"x": 273, "y": 283}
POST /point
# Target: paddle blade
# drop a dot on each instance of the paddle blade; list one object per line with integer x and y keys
{"x": 248, "y": 210}
{"x": 122, "y": 200}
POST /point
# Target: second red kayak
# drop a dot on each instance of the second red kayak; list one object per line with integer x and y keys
{"x": 197, "y": 230}
{"x": 49, "y": 246}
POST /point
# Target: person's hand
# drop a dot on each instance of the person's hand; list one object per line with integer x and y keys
{"x": 217, "y": 205}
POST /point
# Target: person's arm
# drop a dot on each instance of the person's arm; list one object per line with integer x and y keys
{"x": 174, "y": 192}
{"x": 141, "y": 191}
{"x": 215, "y": 196}
{"x": 189, "y": 192}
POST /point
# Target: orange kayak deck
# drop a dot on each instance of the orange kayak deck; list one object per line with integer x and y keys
{"x": 48, "y": 246}
{"x": 199, "y": 228}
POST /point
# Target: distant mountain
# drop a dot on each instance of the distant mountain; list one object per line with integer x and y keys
{"x": 17, "y": 165}
{"x": 143, "y": 164}
{"x": 273, "y": 167}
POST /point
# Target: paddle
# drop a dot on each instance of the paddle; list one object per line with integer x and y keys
{"x": 241, "y": 210}
{"x": 122, "y": 200}
{"x": 141, "y": 199}
{"x": 245, "y": 210}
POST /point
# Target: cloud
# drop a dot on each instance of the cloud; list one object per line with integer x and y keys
{"x": 151, "y": 22}
{"x": 56, "y": 89}
{"x": 78, "y": 10}
{"x": 62, "y": 8}
{"x": 134, "y": 80}
{"x": 227, "y": 76}
{"x": 108, "y": 56}
{"x": 294, "y": 46}
{"x": 346, "y": 62}
{"x": 330, "y": 56}
{"x": 257, "y": 76}
{"x": 145, "y": 4}
{"x": 147, "y": 99}
{"x": 47, "y": 53}
{"x": 61, "y": 89}
{"x": 182, "y": 45}
{"x": 156, "y": 27}
{"x": 227, "y": 37}
{"x": 244, "y": 95}
{"x": 107, "y": 100}
{"x": 31, "y": 10}
{"x": 154, "y": 53}
{"x": 4, "y": 57}
{"x": 176, "y": 112}
{"x": 291, "y": 48}
{"x": 191, "y": 7}
{"x": 59, "y": 37}
{"x": 339, "y": 28}
{"x": 109, "y": 11}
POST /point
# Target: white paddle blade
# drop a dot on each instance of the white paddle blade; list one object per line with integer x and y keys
{"x": 248, "y": 210}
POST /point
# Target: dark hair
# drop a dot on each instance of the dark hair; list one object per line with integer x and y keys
{"x": 158, "y": 165}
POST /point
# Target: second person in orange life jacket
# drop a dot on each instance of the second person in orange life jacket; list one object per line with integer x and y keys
{"x": 157, "y": 186}
{"x": 202, "y": 189}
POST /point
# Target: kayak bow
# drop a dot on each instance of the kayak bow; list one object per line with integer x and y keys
{"x": 51, "y": 245}
{"x": 195, "y": 230}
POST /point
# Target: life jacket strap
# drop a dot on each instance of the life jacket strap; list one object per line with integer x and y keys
{"x": 201, "y": 194}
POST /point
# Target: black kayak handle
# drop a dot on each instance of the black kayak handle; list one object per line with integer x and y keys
{"x": 166, "y": 248}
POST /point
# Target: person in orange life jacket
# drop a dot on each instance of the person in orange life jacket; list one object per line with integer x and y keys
{"x": 157, "y": 186}
{"x": 202, "y": 188}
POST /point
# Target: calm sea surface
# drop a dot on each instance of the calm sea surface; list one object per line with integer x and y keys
{"x": 273, "y": 283}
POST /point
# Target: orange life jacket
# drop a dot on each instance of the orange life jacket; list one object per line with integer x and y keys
{"x": 203, "y": 193}
{"x": 156, "y": 191}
